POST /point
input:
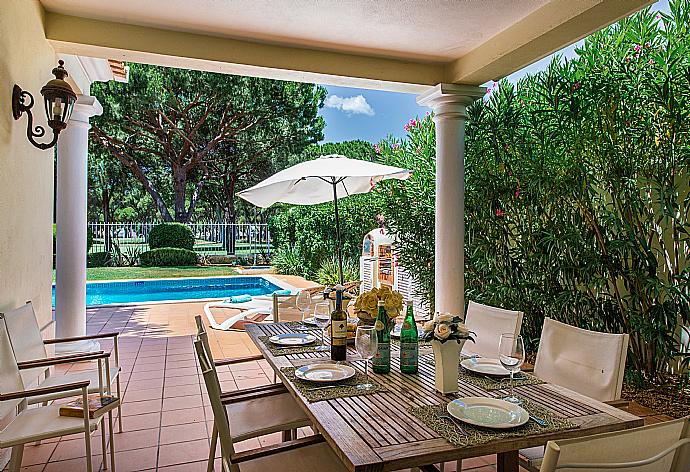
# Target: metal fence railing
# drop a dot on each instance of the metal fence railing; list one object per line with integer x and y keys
{"x": 247, "y": 240}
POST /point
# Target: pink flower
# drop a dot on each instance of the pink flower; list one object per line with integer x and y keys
{"x": 658, "y": 17}
{"x": 499, "y": 213}
{"x": 377, "y": 149}
{"x": 407, "y": 127}
{"x": 517, "y": 191}
{"x": 419, "y": 150}
{"x": 651, "y": 62}
{"x": 413, "y": 122}
{"x": 428, "y": 113}
{"x": 627, "y": 59}
{"x": 395, "y": 146}
{"x": 638, "y": 47}
{"x": 647, "y": 44}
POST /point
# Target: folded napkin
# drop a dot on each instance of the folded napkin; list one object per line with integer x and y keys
{"x": 282, "y": 292}
{"x": 238, "y": 299}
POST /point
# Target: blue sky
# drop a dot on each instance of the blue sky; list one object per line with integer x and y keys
{"x": 372, "y": 115}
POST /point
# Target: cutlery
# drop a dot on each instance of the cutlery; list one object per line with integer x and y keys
{"x": 537, "y": 420}
{"x": 454, "y": 421}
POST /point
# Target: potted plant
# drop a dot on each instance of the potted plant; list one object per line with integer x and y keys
{"x": 448, "y": 335}
{"x": 366, "y": 305}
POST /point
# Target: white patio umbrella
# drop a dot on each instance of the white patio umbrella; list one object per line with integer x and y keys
{"x": 320, "y": 180}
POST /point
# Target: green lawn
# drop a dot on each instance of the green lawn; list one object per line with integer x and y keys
{"x": 113, "y": 273}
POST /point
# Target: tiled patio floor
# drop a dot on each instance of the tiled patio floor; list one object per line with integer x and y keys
{"x": 166, "y": 417}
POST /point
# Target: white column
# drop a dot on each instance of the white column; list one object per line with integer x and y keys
{"x": 70, "y": 285}
{"x": 449, "y": 103}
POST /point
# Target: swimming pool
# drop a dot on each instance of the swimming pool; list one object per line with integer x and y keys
{"x": 136, "y": 291}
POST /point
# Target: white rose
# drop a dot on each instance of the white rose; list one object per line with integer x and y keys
{"x": 444, "y": 318}
{"x": 442, "y": 331}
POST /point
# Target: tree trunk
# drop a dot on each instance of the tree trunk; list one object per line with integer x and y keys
{"x": 106, "y": 219}
{"x": 180, "y": 188}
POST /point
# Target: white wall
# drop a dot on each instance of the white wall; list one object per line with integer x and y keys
{"x": 26, "y": 173}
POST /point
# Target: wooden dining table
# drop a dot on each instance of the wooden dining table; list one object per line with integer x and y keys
{"x": 375, "y": 432}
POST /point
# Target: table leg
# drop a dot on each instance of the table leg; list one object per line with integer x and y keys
{"x": 507, "y": 462}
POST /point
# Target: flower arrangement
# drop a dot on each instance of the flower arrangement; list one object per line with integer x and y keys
{"x": 445, "y": 327}
{"x": 366, "y": 304}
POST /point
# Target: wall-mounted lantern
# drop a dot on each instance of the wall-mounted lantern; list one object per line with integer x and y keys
{"x": 58, "y": 99}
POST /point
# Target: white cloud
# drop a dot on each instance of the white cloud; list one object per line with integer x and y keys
{"x": 351, "y": 105}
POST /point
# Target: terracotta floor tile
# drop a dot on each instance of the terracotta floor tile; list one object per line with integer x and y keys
{"x": 145, "y": 384}
{"x": 40, "y": 454}
{"x": 137, "y": 395}
{"x": 184, "y": 380}
{"x": 181, "y": 372}
{"x": 75, "y": 448}
{"x": 73, "y": 465}
{"x": 181, "y": 453}
{"x": 139, "y": 408}
{"x": 183, "y": 432}
{"x": 192, "y": 467}
{"x": 154, "y": 374}
{"x": 181, "y": 390}
{"x": 128, "y": 440}
{"x": 136, "y": 460}
{"x": 187, "y": 415}
{"x": 143, "y": 421}
{"x": 178, "y": 403}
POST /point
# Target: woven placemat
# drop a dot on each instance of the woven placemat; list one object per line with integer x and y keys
{"x": 348, "y": 388}
{"x": 285, "y": 351}
{"x": 489, "y": 383}
{"x": 449, "y": 430}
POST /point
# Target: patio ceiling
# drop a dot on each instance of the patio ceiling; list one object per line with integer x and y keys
{"x": 385, "y": 44}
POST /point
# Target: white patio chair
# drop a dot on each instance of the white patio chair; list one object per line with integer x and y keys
{"x": 310, "y": 454}
{"x": 588, "y": 362}
{"x": 28, "y": 345}
{"x": 255, "y": 411}
{"x": 662, "y": 447}
{"x": 43, "y": 422}
{"x": 488, "y": 323}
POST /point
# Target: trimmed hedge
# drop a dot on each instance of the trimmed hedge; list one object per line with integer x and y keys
{"x": 168, "y": 257}
{"x": 174, "y": 235}
{"x": 98, "y": 259}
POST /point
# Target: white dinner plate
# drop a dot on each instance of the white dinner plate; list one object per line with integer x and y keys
{"x": 324, "y": 373}
{"x": 488, "y": 412}
{"x": 292, "y": 339}
{"x": 485, "y": 366}
{"x": 309, "y": 321}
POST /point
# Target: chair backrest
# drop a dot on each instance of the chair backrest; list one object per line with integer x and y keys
{"x": 685, "y": 339}
{"x": 662, "y": 447}
{"x": 202, "y": 334}
{"x": 588, "y": 362}
{"x": 488, "y": 323}
{"x": 220, "y": 416}
{"x": 10, "y": 378}
{"x": 25, "y": 336}
{"x": 285, "y": 308}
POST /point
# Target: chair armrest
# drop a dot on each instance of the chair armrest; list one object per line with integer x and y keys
{"x": 275, "y": 449}
{"x": 238, "y": 360}
{"x": 34, "y": 392}
{"x": 239, "y": 396}
{"x": 81, "y": 338}
{"x": 48, "y": 361}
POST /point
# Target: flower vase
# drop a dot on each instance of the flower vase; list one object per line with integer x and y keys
{"x": 447, "y": 362}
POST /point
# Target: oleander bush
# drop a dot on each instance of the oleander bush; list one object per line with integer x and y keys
{"x": 168, "y": 257}
{"x": 577, "y": 192}
{"x": 176, "y": 235}
{"x": 328, "y": 273}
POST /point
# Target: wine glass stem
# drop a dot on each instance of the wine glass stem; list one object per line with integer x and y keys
{"x": 511, "y": 385}
{"x": 366, "y": 370}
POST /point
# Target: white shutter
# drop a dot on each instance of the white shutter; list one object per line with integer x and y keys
{"x": 366, "y": 274}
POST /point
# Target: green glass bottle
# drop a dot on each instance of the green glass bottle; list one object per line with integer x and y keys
{"x": 382, "y": 360}
{"x": 409, "y": 343}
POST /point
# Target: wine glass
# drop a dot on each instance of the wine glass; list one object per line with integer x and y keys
{"x": 322, "y": 317}
{"x": 511, "y": 353}
{"x": 366, "y": 343}
{"x": 303, "y": 302}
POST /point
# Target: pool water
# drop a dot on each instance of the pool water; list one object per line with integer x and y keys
{"x": 133, "y": 291}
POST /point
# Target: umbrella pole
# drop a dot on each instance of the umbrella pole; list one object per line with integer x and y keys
{"x": 337, "y": 231}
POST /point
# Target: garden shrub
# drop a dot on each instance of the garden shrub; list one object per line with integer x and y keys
{"x": 168, "y": 257}
{"x": 328, "y": 273}
{"x": 98, "y": 259}
{"x": 177, "y": 235}
{"x": 288, "y": 260}
{"x": 89, "y": 239}
{"x": 576, "y": 190}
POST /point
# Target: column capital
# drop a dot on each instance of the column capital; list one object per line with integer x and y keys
{"x": 85, "y": 107}
{"x": 450, "y": 100}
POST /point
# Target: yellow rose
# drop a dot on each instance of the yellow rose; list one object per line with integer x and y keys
{"x": 393, "y": 304}
{"x": 442, "y": 331}
{"x": 429, "y": 326}
{"x": 367, "y": 302}
{"x": 463, "y": 330}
